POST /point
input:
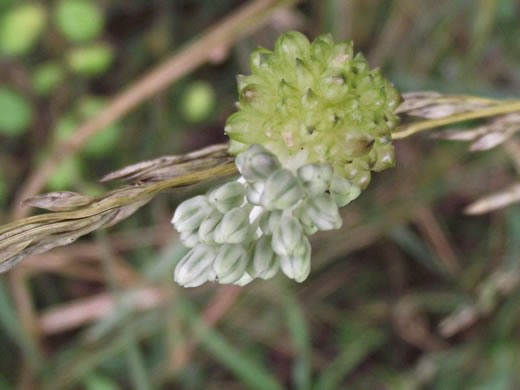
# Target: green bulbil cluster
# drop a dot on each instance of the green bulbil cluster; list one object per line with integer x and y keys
{"x": 316, "y": 103}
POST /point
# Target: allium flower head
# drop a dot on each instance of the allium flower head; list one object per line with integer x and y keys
{"x": 318, "y": 101}
{"x": 313, "y": 122}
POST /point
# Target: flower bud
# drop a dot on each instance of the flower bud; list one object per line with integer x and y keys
{"x": 322, "y": 212}
{"x": 269, "y": 220}
{"x": 308, "y": 226}
{"x": 190, "y": 213}
{"x": 287, "y": 236}
{"x": 256, "y": 163}
{"x": 298, "y": 265}
{"x": 281, "y": 190}
{"x": 258, "y": 59}
{"x": 230, "y": 264}
{"x": 316, "y": 177}
{"x": 357, "y": 175}
{"x": 234, "y": 228}
{"x": 342, "y": 191}
{"x": 291, "y": 45}
{"x": 245, "y": 279}
{"x": 383, "y": 157}
{"x": 227, "y": 196}
{"x": 208, "y": 226}
{"x": 189, "y": 239}
{"x": 192, "y": 270}
{"x": 241, "y": 129}
{"x": 265, "y": 262}
{"x": 254, "y": 193}
{"x": 357, "y": 143}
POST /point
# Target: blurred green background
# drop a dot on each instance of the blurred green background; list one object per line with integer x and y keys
{"x": 409, "y": 294}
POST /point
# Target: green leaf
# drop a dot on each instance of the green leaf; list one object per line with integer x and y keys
{"x": 79, "y": 20}
{"x": 65, "y": 126}
{"x": 15, "y": 112}
{"x": 13, "y": 329}
{"x": 4, "y": 385}
{"x": 299, "y": 332}
{"x": 90, "y": 60}
{"x": 20, "y": 28}
{"x": 66, "y": 175}
{"x": 104, "y": 141}
{"x": 198, "y": 101}
{"x": 252, "y": 373}
{"x": 99, "y": 382}
{"x": 46, "y": 77}
{"x": 359, "y": 343}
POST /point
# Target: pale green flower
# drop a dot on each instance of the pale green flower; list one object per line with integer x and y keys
{"x": 190, "y": 239}
{"x": 227, "y": 196}
{"x": 189, "y": 214}
{"x": 265, "y": 262}
{"x": 269, "y": 220}
{"x": 343, "y": 191}
{"x": 208, "y": 226}
{"x": 192, "y": 270}
{"x": 322, "y": 212}
{"x": 234, "y": 228}
{"x": 298, "y": 265}
{"x": 282, "y": 190}
{"x": 256, "y": 163}
{"x": 254, "y": 193}
{"x": 287, "y": 236}
{"x": 316, "y": 178}
{"x": 230, "y": 263}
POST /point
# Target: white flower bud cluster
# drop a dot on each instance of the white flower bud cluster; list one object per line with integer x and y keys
{"x": 252, "y": 227}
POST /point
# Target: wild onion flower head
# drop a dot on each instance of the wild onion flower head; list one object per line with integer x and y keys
{"x": 319, "y": 103}
{"x": 313, "y": 122}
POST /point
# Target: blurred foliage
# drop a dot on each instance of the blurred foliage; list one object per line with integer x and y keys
{"x": 79, "y": 20}
{"x": 198, "y": 101}
{"x": 15, "y": 112}
{"x": 46, "y": 77}
{"x": 369, "y": 316}
{"x": 20, "y": 28}
{"x": 90, "y": 60}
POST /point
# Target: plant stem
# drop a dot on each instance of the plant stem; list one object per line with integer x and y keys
{"x": 406, "y": 130}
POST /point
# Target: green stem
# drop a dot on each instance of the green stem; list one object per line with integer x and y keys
{"x": 406, "y": 130}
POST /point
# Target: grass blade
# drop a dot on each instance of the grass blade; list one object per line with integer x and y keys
{"x": 353, "y": 353}
{"x": 298, "y": 329}
{"x": 250, "y": 372}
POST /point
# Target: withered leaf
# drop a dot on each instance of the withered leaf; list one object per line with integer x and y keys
{"x": 495, "y": 201}
{"x": 58, "y": 201}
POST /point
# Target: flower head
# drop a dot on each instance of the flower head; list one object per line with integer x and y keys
{"x": 319, "y": 100}
{"x": 313, "y": 122}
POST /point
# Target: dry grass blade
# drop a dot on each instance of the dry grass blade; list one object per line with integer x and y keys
{"x": 58, "y": 201}
{"x": 436, "y": 105}
{"x": 503, "y": 122}
{"x": 170, "y": 166}
{"x": 441, "y": 110}
{"x": 81, "y": 215}
{"x": 495, "y": 201}
{"x": 485, "y": 137}
{"x": 498, "y": 285}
